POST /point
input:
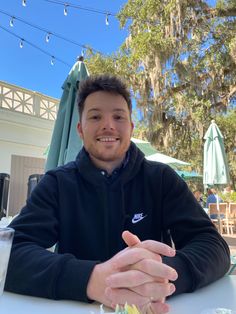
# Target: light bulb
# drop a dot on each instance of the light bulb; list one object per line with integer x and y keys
{"x": 12, "y": 21}
{"x": 65, "y": 10}
{"x": 21, "y": 43}
{"x": 52, "y": 60}
{"x": 24, "y": 3}
{"x": 107, "y": 21}
{"x": 47, "y": 38}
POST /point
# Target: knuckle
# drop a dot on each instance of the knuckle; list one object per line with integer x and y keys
{"x": 145, "y": 265}
{"x": 146, "y": 290}
{"x": 133, "y": 276}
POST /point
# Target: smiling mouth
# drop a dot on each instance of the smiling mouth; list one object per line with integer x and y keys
{"x": 107, "y": 139}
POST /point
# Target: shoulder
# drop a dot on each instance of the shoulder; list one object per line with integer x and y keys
{"x": 158, "y": 168}
{"x": 61, "y": 170}
{"x": 162, "y": 173}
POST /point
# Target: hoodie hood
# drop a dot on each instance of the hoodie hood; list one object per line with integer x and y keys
{"x": 93, "y": 174}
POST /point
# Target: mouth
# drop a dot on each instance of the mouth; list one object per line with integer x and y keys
{"x": 108, "y": 139}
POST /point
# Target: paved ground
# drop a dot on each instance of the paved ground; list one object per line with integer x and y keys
{"x": 231, "y": 240}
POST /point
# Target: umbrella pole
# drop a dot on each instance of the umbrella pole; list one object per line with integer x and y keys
{"x": 218, "y": 210}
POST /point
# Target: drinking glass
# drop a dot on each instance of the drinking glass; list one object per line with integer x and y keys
{"x": 6, "y": 237}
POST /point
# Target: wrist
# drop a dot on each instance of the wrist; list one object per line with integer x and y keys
{"x": 96, "y": 285}
{"x": 92, "y": 284}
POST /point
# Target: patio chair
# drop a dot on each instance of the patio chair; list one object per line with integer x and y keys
{"x": 221, "y": 217}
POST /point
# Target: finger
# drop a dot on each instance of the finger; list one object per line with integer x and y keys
{"x": 146, "y": 284}
{"x": 154, "y": 246}
{"x": 155, "y": 269}
{"x": 128, "y": 279}
{"x": 160, "y": 307}
{"x": 157, "y": 247}
{"x": 137, "y": 258}
{"x": 155, "y": 308}
{"x": 133, "y": 255}
{"x": 155, "y": 291}
{"x": 130, "y": 238}
{"x": 122, "y": 296}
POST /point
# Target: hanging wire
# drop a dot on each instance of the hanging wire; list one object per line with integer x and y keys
{"x": 22, "y": 41}
{"x": 71, "y": 5}
{"x": 50, "y": 32}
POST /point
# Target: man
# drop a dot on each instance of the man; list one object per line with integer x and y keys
{"x": 86, "y": 206}
{"x": 212, "y": 197}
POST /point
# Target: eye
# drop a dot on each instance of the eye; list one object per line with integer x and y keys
{"x": 95, "y": 117}
{"x": 118, "y": 117}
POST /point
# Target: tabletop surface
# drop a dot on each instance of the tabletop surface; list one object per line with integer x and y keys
{"x": 221, "y": 294}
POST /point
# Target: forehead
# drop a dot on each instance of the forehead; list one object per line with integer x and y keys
{"x": 105, "y": 101}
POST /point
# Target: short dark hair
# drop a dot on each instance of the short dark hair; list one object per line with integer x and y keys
{"x": 106, "y": 83}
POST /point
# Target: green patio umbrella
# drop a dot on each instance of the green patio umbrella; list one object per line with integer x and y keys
{"x": 152, "y": 154}
{"x": 189, "y": 175}
{"x": 215, "y": 169}
{"x": 66, "y": 143}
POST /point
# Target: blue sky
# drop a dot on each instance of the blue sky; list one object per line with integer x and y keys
{"x": 30, "y": 68}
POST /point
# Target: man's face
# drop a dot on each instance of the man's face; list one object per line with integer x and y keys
{"x": 105, "y": 127}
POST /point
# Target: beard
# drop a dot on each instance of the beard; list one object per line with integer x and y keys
{"x": 108, "y": 152}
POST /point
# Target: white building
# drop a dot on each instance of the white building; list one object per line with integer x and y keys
{"x": 26, "y": 125}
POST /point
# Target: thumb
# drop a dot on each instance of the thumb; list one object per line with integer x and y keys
{"x": 130, "y": 238}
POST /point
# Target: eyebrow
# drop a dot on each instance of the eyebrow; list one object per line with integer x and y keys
{"x": 115, "y": 110}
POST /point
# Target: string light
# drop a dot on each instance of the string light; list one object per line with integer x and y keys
{"x": 47, "y": 38}
{"x": 12, "y": 21}
{"x": 22, "y": 43}
{"x": 47, "y": 31}
{"x": 107, "y": 20}
{"x": 52, "y": 60}
{"x": 24, "y": 3}
{"x": 65, "y": 9}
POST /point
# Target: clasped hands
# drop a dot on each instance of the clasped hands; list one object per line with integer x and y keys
{"x": 135, "y": 275}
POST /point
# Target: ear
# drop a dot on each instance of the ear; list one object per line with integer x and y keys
{"x": 132, "y": 127}
{"x": 80, "y": 131}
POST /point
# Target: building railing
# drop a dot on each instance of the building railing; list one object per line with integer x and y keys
{"x": 28, "y": 102}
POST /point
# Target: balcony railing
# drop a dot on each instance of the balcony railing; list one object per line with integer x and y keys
{"x": 28, "y": 102}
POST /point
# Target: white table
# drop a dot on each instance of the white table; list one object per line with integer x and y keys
{"x": 219, "y": 294}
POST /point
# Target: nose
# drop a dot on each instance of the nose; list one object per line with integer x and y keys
{"x": 108, "y": 123}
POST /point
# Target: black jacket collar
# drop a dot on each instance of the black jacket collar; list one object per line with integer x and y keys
{"x": 92, "y": 174}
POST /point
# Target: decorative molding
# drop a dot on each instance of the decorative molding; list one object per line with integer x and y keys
{"x": 18, "y": 99}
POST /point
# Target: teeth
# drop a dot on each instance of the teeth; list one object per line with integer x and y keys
{"x": 107, "y": 139}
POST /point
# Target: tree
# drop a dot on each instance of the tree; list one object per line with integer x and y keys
{"x": 180, "y": 62}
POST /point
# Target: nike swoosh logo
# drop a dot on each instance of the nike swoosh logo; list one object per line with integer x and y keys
{"x": 135, "y": 220}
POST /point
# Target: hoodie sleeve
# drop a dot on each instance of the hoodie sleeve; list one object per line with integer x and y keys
{"x": 34, "y": 270}
{"x": 202, "y": 255}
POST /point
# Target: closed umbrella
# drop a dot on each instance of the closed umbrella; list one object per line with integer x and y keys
{"x": 215, "y": 168}
{"x": 66, "y": 143}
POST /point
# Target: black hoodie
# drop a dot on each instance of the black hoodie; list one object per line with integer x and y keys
{"x": 80, "y": 209}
